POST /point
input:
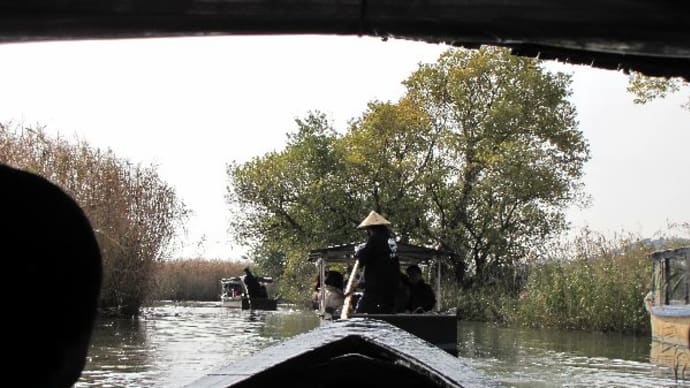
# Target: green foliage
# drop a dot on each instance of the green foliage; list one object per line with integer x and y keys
{"x": 193, "y": 279}
{"x": 485, "y": 304}
{"x": 598, "y": 285}
{"x": 513, "y": 155}
{"x": 480, "y": 157}
{"x": 134, "y": 213}
{"x": 646, "y": 88}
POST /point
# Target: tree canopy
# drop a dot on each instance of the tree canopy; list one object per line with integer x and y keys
{"x": 646, "y": 88}
{"x": 480, "y": 156}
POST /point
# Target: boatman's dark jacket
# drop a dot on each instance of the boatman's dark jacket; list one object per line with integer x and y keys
{"x": 381, "y": 266}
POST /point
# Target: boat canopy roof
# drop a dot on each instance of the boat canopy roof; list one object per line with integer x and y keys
{"x": 649, "y": 36}
{"x": 678, "y": 253}
{"x": 237, "y": 279}
{"x": 407, "y": 253}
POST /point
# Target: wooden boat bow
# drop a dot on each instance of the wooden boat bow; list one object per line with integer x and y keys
{"x": 353, "y": 353}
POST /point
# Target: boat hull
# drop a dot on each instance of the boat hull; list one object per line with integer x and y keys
{"x": 670, "y": 324}
{"x": 259, "y": 304}
{"x": 350, "y": 353}
{"x": 232, "y": 302}
{"x": 671, "y": 330}
{"x": 670, "y": 345}
{"x": 438, "y": 329}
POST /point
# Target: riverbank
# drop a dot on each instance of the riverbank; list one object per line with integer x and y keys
{"x": 590, "y": 284}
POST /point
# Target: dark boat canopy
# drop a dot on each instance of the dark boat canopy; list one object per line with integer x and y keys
{"x": 407, "y": 254}
{"x": 678, "y": 253}
{"x": 650, "y": 36}
{"x": 238, "y": 279}
{"x": 351, "y": 353}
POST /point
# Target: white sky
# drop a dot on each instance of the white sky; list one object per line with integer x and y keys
{"x": 191, "y": 105}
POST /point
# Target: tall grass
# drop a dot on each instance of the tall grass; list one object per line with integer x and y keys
{"x": 193, "y": 279}
{"x": 599, "y": 286}
{"x": 134, "y": 213}
{"x": 590, "y": 283}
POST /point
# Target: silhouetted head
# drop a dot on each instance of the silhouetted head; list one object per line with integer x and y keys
{"x": 53, "y": 268}
{"x": 414, "y": 273}
{"x": 334, "y": 279}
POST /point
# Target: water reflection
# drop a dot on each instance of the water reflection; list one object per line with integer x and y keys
{"x": 174, "y": 344}
{"x": 675, "y": 357}
{"x": 554, "y": 358}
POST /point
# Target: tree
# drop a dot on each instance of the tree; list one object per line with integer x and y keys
{"x": 480, "y": 156}
{"x": 646, "y": 88}
{"x": 285, "y": 202}
{"x": 509, "y": 154}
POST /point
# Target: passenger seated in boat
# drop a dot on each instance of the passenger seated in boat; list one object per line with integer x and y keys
{"x": 48, "y": 244}
{"x": 231, "y": 290}
{"x": 333, "y": 292}
{"x": 422, "y": 297}
{"x": 254, "y": 288}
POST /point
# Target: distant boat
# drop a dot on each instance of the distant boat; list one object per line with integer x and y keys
{"x": 232, "y": 290}
{"x": 668, "y": 305}
{"x": 235, "y": 294}
{"x": 349, "y": 353}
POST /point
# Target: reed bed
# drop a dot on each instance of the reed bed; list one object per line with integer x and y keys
{"x": 134, "y": 213}
{"x": 589, "y": 283}
{"x": 193, "y": 279}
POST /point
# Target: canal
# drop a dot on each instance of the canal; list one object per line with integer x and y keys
{"x": 171, "y": 345}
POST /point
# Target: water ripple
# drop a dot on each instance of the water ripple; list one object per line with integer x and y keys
{"x": 174, "y": 344}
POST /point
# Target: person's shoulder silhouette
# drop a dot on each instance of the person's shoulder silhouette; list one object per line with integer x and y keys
{"x": 53, "y": 274}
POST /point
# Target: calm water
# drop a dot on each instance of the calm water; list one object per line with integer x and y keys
{"x": 173, "y": 345}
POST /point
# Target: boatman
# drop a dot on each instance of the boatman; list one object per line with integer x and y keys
{"x": 254, "y": 289}
{"x": 379, "y": 257}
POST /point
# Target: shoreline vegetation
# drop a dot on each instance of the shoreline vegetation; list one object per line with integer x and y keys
{"x": 135, "y": 214}
{"x": 196, "y": 279}
{"x": 591, "y": 283}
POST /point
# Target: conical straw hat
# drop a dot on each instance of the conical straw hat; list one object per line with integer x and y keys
{"x": 372, "y": 219}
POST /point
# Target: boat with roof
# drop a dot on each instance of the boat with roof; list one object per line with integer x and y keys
{"x": 668, "y": 305}
{"x": 437, "y": 326}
